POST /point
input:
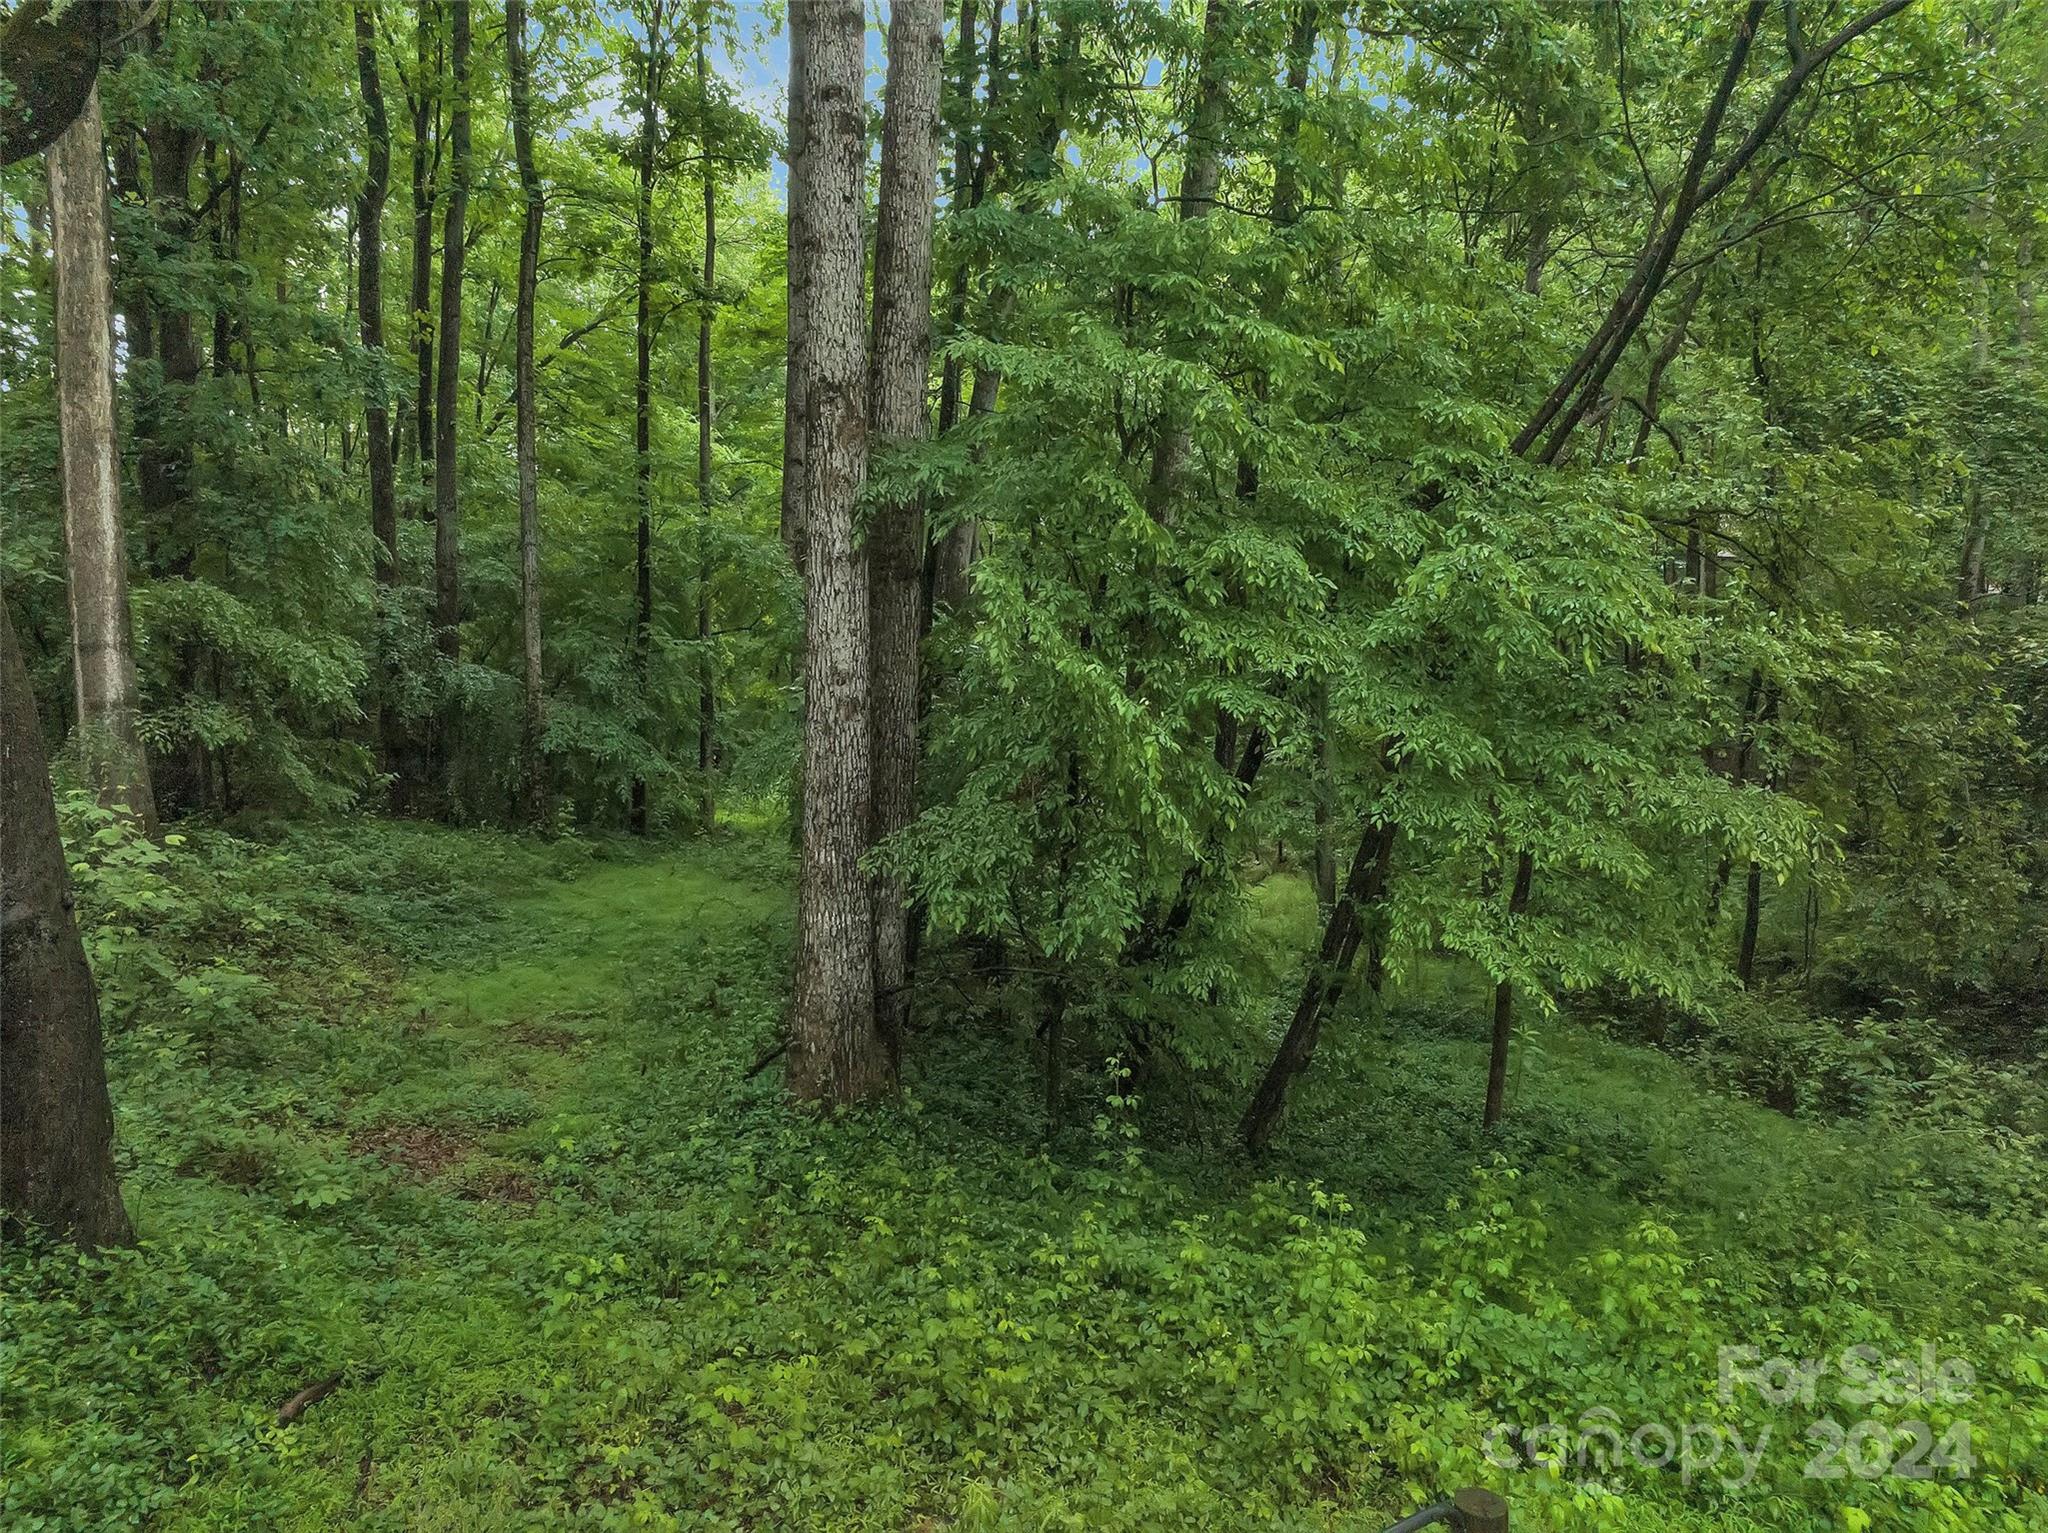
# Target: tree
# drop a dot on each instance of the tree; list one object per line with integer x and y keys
{"x": 532, "y": 768}
{"x": 707, "y": 675}
{"x": 837, "y": 1053}
{"x": 647, "y": 152}
{"x": 56, "y": 1122}
{"x": 425, "y": 102}
{"x": 378, "y": 431}
{"x": 901, "y": 368}
{"x": 96, "y": 564}
{"x": 797, "y": 241}
{"x": 447, "y": 484}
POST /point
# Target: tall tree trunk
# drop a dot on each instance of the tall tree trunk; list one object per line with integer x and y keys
{"x": 837, "y": 1053}
{"x": 901, "y": 363}
{"x": 425, "y": 159}
{"x": 183, "y": 777}
{"x": 707, "y": 675}
{"x": 643, "y": 373}
{"x": 1197, "y": 200}
{"x": 798, "y": 239}
{"x": 448, "y": 370}
{"x": 952, "y": 554}
{"x": 532, "y": 769}
{"x": 56, "y": 1124}
{"x": 1504, "y": 1007}
{"x": 96, "y": 554}
{"x": 377, "y": 428}
{"x": 1345, "y": 929}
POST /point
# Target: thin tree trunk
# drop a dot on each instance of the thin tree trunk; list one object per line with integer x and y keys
{"x": 837, "y": 1053}
{"x": 1197, "y": 200}
{"x": 448, "y": 373}
{"x": 707, "y": 675}
{"x": 1364, "y": 888}
{"x": 1325, "y": 801}
{"x": 425, "y": 156}
{"x": 953, "y": 556}
{"x": 897, "y": 413}
{"x": 643, "y": 374}
{"x": 798, "y": 236}
{"x": 377, "y": 429}
{"x": 961, "y": 195}
{"x": 96, "y": 554}
{"x": 532, "y": 769}
{"x": 1752, "y": 912}
{"x": 1504, "y": 1007}
{"x": 56, "y": 1124}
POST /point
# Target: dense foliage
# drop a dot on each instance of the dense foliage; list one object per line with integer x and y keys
{"x": 468, "y": 1123}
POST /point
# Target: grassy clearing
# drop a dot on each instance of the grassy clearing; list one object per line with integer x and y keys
{"x": 466, "y": 1126}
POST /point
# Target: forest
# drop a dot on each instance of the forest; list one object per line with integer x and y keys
{"x": 1024, "y": 764}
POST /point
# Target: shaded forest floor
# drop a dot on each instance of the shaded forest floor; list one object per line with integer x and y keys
{"x": 464, "y": 1125}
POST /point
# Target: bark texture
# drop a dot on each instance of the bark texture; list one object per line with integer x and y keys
{"x": 56, "y": 1124}
{"x": 902, "y": 352}
{"x": 837, "y": 1054}
{"x": 96, "y": 554}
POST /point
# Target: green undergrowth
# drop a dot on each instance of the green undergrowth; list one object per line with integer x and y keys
{"x": 471, "y": 1126}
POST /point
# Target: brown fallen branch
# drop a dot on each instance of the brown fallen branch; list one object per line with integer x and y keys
{"x": 305, "y": 1399}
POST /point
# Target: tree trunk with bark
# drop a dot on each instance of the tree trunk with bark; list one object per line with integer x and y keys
{"x": 425, "y": 162}
{"x": 647, "y": 148}
{"x": 1197, "y": 200}
{"x": 1752, "y": 913}
{"x": 901, "y": 366}
{"x": 837, "y": 1053}
{"x": 56, "y": 1124}
{"x": 1343, "y": 932}
{"x": 798, "y": 238}
{"x": 1504, "y": 1006}
{"x": 377, "y": 429}
{"x": 96, "y": 553}
{"x": 448, "y": 365}
{"x": 533, "y": 786}
{"x": 707, "y": 675}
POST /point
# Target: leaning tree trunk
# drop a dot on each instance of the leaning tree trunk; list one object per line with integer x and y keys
{"x": 1343, "y": 932}
{"x": 532, "y": 769}
{"x": 96, "y": 555}
{"x": 837, "y": 1054}
{"x": 56, "y": 1124}
{"x": 895, "y": 544}
{"x": 447, "y": 383}
{"x": 707, "y": 675}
